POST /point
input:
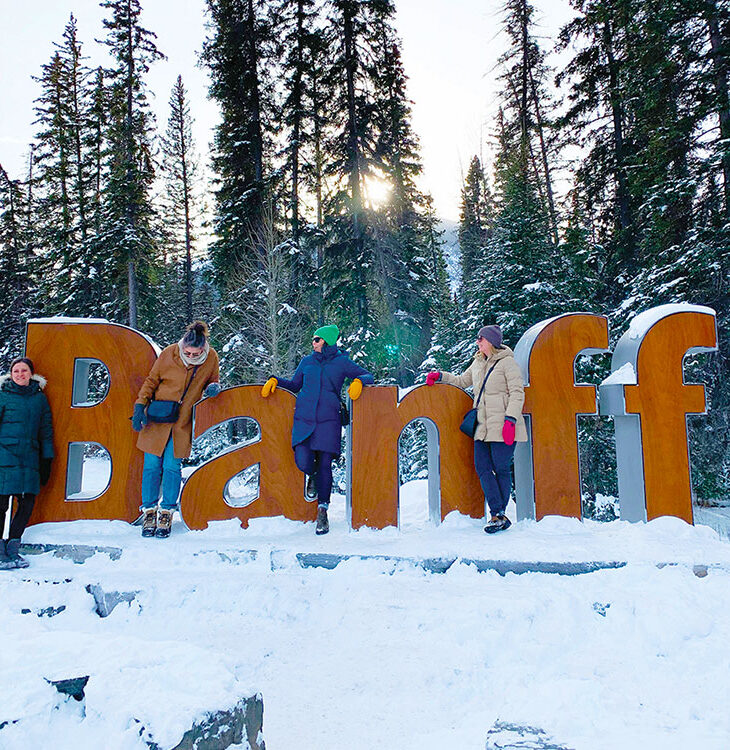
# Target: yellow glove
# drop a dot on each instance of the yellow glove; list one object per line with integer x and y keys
{"x": 355, "y": 389}
{"x": 269, "y": 387}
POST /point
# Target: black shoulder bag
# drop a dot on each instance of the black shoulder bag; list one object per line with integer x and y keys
{"x": 165, "y": 412}
{"x": 469, "y": 424}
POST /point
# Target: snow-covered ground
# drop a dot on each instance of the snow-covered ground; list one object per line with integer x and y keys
{"x": 372, "y": 654}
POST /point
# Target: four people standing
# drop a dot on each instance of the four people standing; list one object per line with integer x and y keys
{"x": 188, "y": 370}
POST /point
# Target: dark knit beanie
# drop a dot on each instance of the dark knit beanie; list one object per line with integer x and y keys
{"x": 493, "y": 334}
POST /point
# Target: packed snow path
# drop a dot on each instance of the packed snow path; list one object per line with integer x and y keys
{"x": 366, "y": 656}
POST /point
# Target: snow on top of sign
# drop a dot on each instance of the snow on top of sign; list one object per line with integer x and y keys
{"x": 67, "y": 319}
{"x": 644, "y": 321}
{"x": 625, "y": 375}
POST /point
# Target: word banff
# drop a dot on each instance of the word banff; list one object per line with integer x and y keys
{"x": 645, "y": 394}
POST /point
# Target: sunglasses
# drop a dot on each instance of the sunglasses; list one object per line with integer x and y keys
{"x": 316, "y": 340}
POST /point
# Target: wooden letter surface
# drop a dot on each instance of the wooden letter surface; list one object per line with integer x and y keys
{"x": 547, "y": 467}
{"x": 281, "y": 488}
{"x": 54, "y": 348}
{"x": 378, "y": 420}
{"x": 650, "y": 401}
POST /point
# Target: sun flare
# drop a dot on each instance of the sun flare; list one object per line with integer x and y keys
{"x": 377, "y": 191}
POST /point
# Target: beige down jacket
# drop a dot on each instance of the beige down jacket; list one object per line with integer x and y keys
{"x": 503, "y": 394}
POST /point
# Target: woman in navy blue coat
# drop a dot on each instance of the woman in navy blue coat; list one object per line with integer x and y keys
{"x": 317, "y": 431}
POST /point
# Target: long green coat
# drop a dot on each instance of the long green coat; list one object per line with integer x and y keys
{"x": 26, "y": 435}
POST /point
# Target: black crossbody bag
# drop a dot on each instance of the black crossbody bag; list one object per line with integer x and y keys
{"x": 165, "y": 412}
{"x": 469, "y": 424}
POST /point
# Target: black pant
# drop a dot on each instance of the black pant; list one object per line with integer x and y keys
{"x": 318, "y": 463}
{"x": 493, "y": 462}
{"x": 21, "y": 518}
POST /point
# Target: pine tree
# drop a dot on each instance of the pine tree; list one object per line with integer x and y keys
{"x": 180, "y": 167}
{"x": 239, "y": 53}
{"x": 128, "y": 223}
{"x": 17, "y": 264}
{"x": 474, "y": 226}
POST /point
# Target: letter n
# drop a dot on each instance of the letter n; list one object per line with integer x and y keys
{"x": 547, "y": 467}
{"x": 650, "y": 401}
{"x": 378, "y": 419}
{"x": 60, "y": 350}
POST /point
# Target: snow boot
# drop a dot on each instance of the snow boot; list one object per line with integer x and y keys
{"x": 149, "y": 521}
{"x": 164, "y": 523}
{"x": 323, "y": 524}
{"x": 310, "y": 491}
{"x": 12, "y": 552}
{"x": 5, "y": 562}
{"x": 498, "y": 522}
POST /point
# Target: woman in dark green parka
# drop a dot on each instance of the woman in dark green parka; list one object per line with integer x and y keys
{"x": 26, "y": 451}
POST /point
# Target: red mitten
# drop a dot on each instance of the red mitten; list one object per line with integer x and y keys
{"x": 433, "y": 377}
{"x": 508, "y": 432}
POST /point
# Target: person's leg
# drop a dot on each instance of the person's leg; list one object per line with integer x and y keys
{"x": 171, "y": 477}
{"x": 22, "y": 515}
{"x": 151, "y": 478}
{"x": 304, "y": 458}
{"x": 323, "y": 478}
{"x": 487, "y": 478}
{"x": 501, "y": 455}
{"x": 5, "y": 562}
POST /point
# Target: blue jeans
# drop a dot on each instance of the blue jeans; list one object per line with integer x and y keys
{"x": 318, "y": 463}
{"x": 493, "y": 462}
{"x": 165, "y": 469}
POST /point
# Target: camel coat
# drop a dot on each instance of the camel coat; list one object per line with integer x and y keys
{"x": 166, "y": 382}
{"x": 503, "y": 395}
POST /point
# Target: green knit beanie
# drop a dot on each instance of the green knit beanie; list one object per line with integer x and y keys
{"x": 330, "y": 334}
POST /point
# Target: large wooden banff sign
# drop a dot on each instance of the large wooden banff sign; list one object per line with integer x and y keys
{"x": 645, "y": 393}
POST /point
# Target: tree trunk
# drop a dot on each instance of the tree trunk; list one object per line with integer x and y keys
{"x": 720, "y": 71}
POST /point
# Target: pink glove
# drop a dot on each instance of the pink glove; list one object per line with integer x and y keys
{"x": 433, "y": 377}
{"x": 508, "y": 432}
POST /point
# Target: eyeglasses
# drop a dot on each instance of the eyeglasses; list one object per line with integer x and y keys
{"x": 480, "y": 338}
{"x": 316, "y": 340}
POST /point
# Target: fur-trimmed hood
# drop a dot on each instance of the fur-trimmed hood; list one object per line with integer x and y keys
{"x": 42, "y": 382}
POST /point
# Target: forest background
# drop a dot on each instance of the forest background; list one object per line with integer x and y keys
{"x": 603, "y": 185}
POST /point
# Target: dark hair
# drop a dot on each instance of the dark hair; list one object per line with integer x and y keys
{"x": 26, "y": 360}
{"x": 196, "y": 334}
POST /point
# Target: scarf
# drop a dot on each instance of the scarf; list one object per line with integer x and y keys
{"x": 193, "y": 361}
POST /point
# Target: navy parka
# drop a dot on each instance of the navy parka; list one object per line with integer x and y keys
{"x": 318, "y": 381}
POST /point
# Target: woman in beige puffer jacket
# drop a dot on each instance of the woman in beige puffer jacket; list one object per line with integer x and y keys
{"x": 499, "y": 417}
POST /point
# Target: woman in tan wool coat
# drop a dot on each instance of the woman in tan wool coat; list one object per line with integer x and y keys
{"x": 183, "y": 373}
{"x": 499, "y": 418}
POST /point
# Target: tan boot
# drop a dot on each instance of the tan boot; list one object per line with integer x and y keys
{"x": 164, "y": 523}
{"x": 149, "y": 522}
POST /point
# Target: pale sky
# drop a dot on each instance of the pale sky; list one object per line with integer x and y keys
{"x": 450, "y": 48}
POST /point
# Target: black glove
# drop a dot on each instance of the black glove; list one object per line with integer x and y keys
{"x": 212, "y": 390}
{"x": 139, "y": 418}
{"x": 45, "y": 470}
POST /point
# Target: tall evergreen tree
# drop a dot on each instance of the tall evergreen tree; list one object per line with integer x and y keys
{"x": 180, "y": 167}
{"x": 239, "y": 55}
{"x": 128, "y": 218}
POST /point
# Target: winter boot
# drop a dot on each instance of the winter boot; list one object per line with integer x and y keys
{"x": 12, "y": 551}
{"x": 149, "y": 522}
{"x": 323, "y": 524}
{"x": 5, "y": 562}
{"x": 164, "y": 523}
{"x": 498, "y": 522}
{"x": 310, "y": 491}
